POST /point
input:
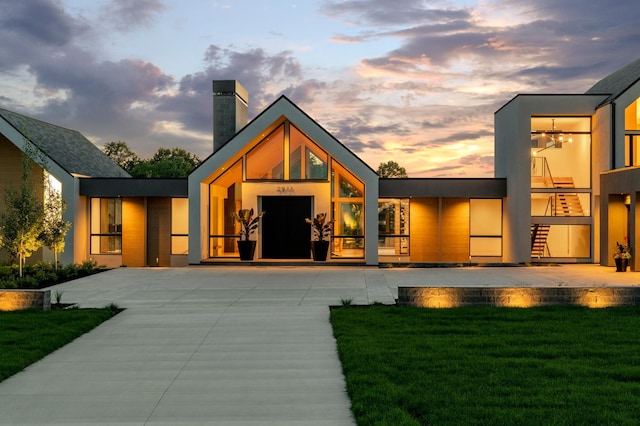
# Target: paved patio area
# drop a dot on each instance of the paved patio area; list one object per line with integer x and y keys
{"x": 227, "y": 345}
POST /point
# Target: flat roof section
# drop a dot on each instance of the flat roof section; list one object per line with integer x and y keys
{"x": 132, "y": 187}
{"x": 443, "y": 187}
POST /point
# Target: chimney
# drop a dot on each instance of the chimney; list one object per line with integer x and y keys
{"x": 230, "y": 111}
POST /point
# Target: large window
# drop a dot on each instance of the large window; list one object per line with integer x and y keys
{"x": 632, "y": 134}
{"x": 348, "y": 213}
{"x": 485, "y": 227}
{"x": 393, "y": 227}
{"x": 560, "y": 187}
{"x": 179, "y": 226}
{"x": 225, "y": 198}
{"x": 106, "y": 226}
{"x": 304, "y": 160}
{"x": 561, "y": 166}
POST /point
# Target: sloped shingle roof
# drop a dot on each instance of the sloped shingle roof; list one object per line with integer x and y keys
{"x": 618, "y": 82}
{"x": 68, "y": 148}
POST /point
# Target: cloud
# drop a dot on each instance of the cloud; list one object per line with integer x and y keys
{"x": 385, "y": 13}
{"x": 130, "y": 15}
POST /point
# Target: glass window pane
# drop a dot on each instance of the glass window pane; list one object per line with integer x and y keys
{"x": 266, "y": 161}
{"x": 350, "y": 219}
{"x": 393, "y": 216}
{"x": 179, "y": 215}
{"x": 560, "y": 154}
{"x": 485, "y": 246}
{"x": 572, "y": 241}
{"x": 347, "y": 247}
{"x": 179, "y": 245}
{"x": 485, "y": 216}
{"x": 307, "y": 160}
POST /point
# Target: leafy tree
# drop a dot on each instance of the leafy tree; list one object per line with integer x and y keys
{"x": 166, "y": 163}
{"x": 121, "y": 154}
{"x": 22, "y": 221}
{"x": 54, "y": 229}
{"x": 391, "y": 169}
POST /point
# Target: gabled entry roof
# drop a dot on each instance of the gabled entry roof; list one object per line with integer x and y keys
{"x": 277, "y": 112}
{"x": 67, "y": 148}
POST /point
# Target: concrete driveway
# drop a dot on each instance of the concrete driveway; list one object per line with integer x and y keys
{"x": 226, "y": 345}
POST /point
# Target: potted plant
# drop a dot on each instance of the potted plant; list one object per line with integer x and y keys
{"x": 321, "y": 232}
{"x": 622, "y": 255}
{"x": 248, "y": 223}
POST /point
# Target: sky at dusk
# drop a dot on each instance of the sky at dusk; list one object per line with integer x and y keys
{"x": 414, "y": 81}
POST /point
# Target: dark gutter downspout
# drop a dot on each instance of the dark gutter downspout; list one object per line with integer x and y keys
{"x": 613, "y": 136}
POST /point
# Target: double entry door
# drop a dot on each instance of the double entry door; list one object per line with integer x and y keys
{"x": 285, "y": 234}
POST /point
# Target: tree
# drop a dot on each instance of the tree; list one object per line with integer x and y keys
{"x": 121, "y": 154}
{"x": 21, "y": 222}
{"x": 166, "y": 163}
{"x": 54, "y": 229}
{"x": 391, "y": 169}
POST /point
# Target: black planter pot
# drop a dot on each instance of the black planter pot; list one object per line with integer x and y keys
{"x": 319, "y": 250}
{"x": 621, "y": 264}
{"x": 246, "y": 249}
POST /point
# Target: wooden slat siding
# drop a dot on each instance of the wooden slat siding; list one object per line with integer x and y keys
{"x": 133, "y": 232}
{"x": 159, "y": 231}
{"x": 455, "y": 230}
{"x": 424, "y": 230}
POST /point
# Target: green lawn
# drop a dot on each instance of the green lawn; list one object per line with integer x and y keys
{"x": 27, "y": 336}
{"x": 559, "y": 365}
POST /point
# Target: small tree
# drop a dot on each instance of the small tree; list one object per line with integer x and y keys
{"x": 391, "y": 169}
{"x": 21, "y": 222}
{"x": 54, "y": 229}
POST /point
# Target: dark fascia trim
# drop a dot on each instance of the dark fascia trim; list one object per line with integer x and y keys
{"x": 443, "y": 187}
{"x": 132, "y": 187}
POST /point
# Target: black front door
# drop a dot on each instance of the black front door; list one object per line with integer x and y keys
{"x": 285, "y": 234}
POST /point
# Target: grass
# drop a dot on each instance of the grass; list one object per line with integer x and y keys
{"x": 559, "y": 365}
{"x": 27, "y": 336}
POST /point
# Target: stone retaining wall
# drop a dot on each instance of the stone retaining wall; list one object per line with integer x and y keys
{"x": 448, "y": 297}
{"x": 15, "y": 300}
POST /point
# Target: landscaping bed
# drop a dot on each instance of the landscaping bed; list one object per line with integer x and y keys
{"x": 43, "y": 274}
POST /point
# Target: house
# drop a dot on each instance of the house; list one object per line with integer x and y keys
{"x": 578, "y": 198}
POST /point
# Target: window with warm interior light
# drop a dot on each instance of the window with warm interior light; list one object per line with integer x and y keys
{"x": 561, "y": 166}
{"x": 179, "y": 226}
{"x": 225, "y": 199}
{"x": 348, "y": 213}
{"x": 106, "y": 226}
{"x": 632, "y": 134}
{"x": 485, "y": 227}
{"x": 393, "y": 227}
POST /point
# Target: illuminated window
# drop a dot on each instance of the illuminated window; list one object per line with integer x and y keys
{"x": 106, "y": 226}
{"x": 179, "y": 226}
{"x": 225, "y": 198}
{"x": 348, "y": 213}
{"x": 485, "y": 227}
{"x": 266, "y": 161}
{"x": 393, "y": 227}
{"x": 307, "y": 160}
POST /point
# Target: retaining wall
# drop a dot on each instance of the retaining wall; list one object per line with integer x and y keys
{"x": 448, "y": 297}
{"x": 15, "y": 300}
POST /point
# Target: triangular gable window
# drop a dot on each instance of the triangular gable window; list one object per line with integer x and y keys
{"x": 305, "y": 159}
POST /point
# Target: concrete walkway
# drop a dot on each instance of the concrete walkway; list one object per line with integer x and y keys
{"x": 226, "y": 345}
